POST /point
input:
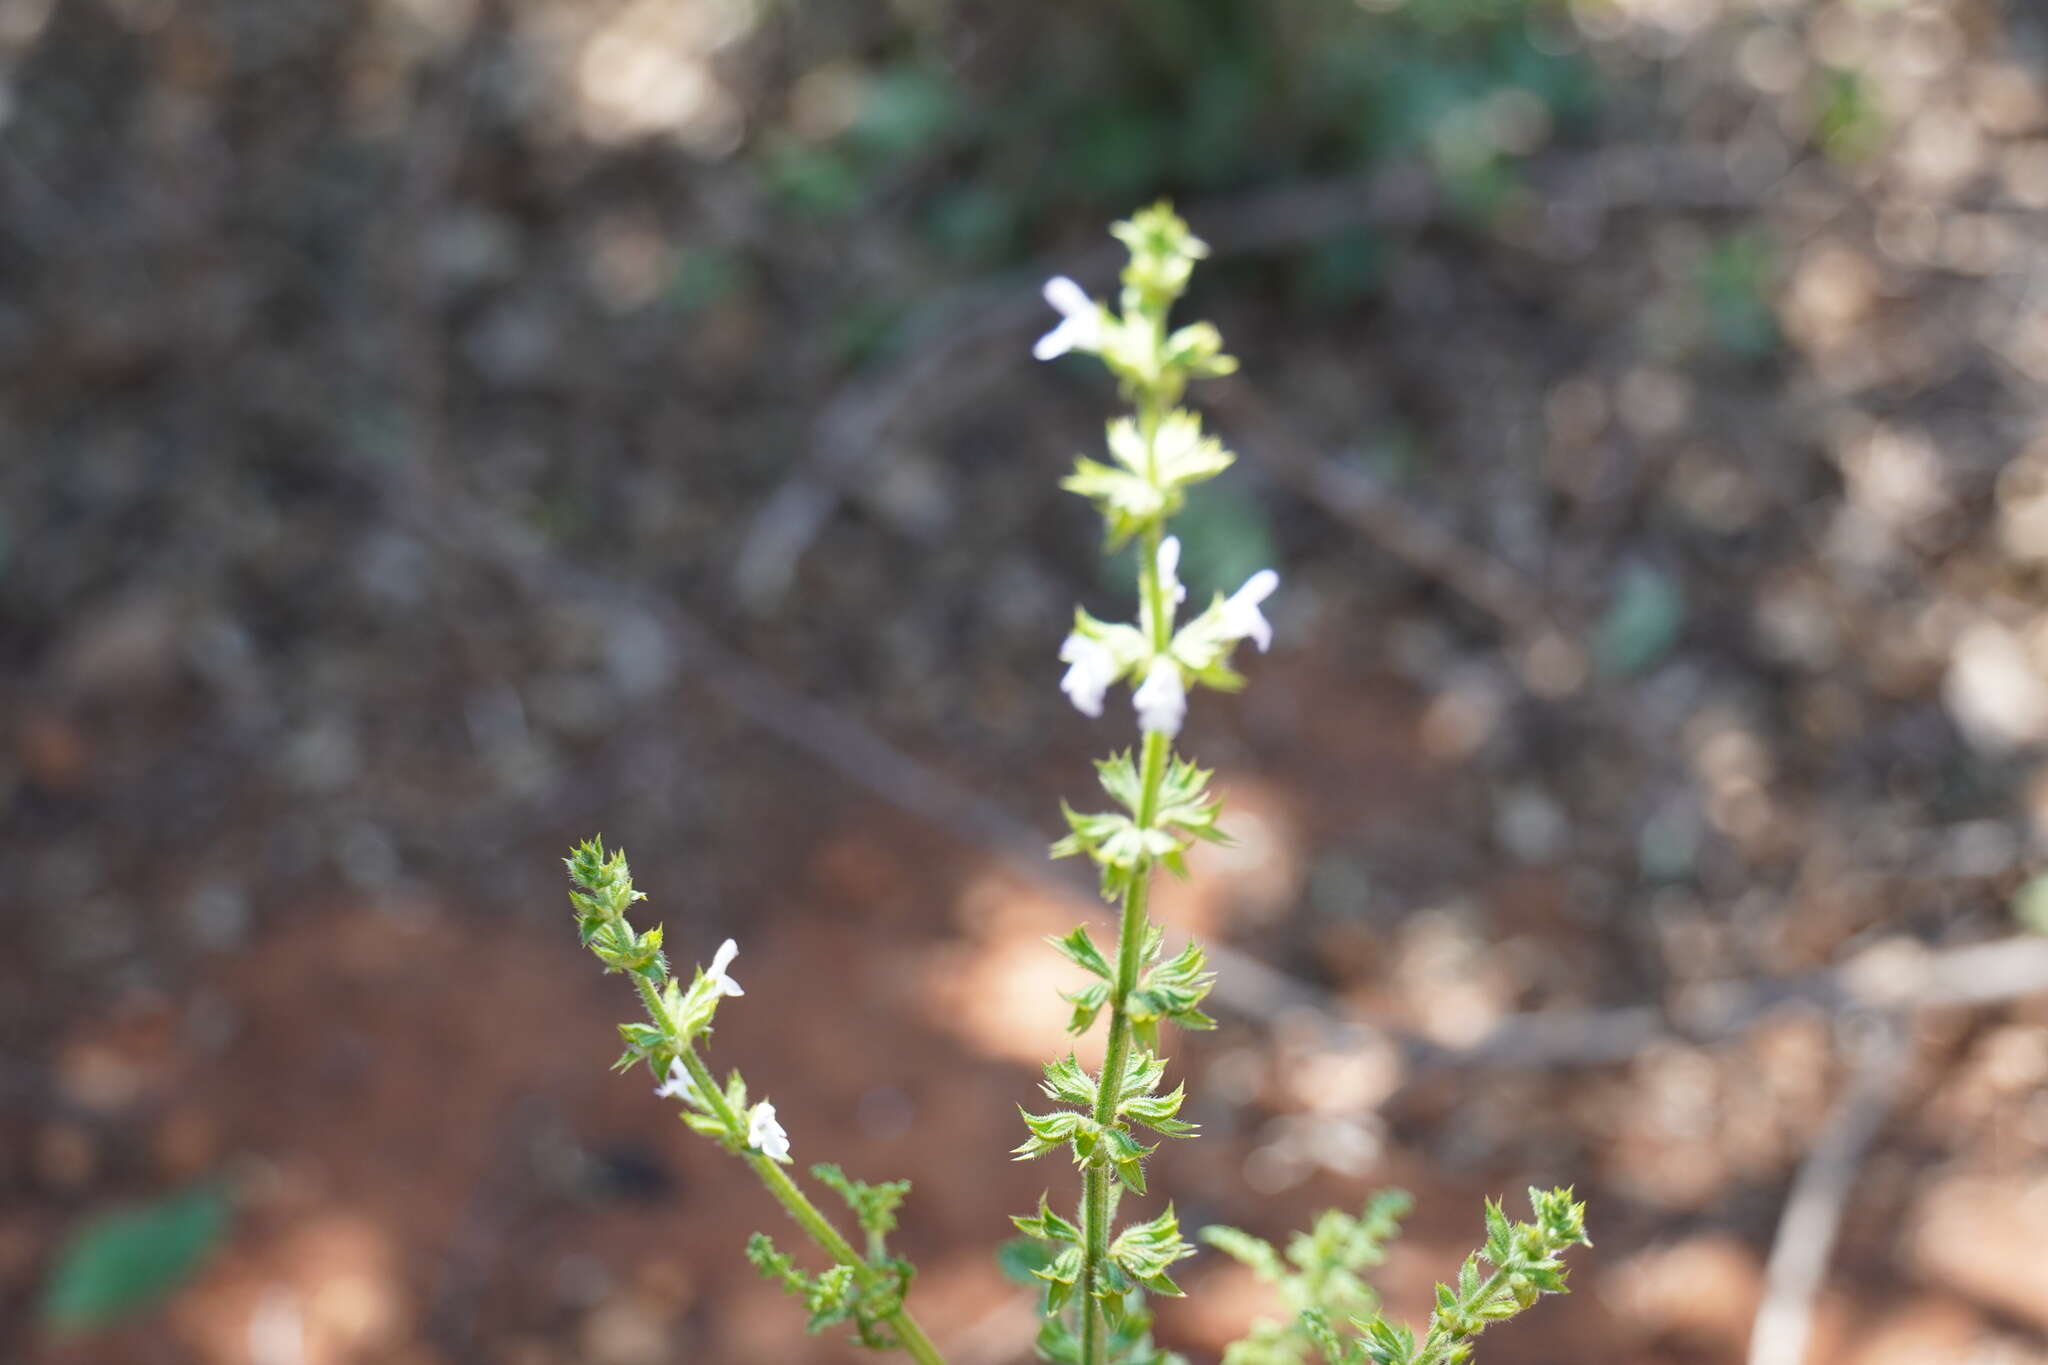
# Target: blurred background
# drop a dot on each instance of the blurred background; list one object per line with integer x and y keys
{"x": 433, "y": 431}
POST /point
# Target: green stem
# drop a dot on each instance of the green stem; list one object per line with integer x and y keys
{"x": 1109, "y": 1084}
{"x": 1094, "y": 1251}
{"x": 814, "y": 1223}
{"x": 1438, "y": 1340}
{"x": 1131, "y": 925}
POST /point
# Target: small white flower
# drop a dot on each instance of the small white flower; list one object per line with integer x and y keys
{"x": 1080, "y": 326}
{"x": 1162, "y": 700}
{"x": 679, "y": 1086}
{"x": 765, "y": 1135}
{"x": 1169, "y": 571}
{"x": 1241, "y": 615}
{"x": 727, "y": 951}
{"x": 1090, "y": 670}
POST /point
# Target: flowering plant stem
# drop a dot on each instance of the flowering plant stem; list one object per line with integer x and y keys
{"x": 1097, "y": 1279}
{"x": 798, "y": 1205}
{"x": 868, "y": 1289}
{"x": 1095, "y": 1180}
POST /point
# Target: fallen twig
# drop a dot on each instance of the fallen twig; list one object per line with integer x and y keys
{"x": 1813, "y": 1209}
{"x": 1897, "y": 975}
{"x": 1353, "y": 497}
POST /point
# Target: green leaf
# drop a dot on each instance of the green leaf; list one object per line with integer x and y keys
{"x": 1336, "y": 1351}
{"x": 1642, "y": 622}
{"x": 128, "y": 1259}
{"x": 1255, "y": 1253}
{"x": 874, "y": 1206}
{"x": 1021, "y": 1258}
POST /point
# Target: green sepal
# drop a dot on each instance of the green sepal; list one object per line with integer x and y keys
{"x": 1145, "y": 1250}
{"x": 1182, "y": 454}
{"x": 1171, "y": 992}
{"x": 1047, "y": 1226}
{"x": 1118, "y": 844}
{"x": 1049, "y": 1131}
{"x": 1078, "y": 948}
{"x": 1120, "y": 778}
{"x": 1128, "y": 647}
{"x": 1157, "y": 1113}
{"x": 1127, "y": 502}
{"x": 1563, "y": 1222}
{"x": 1386, "y": 1343}
{"x": 1066, "y": 1082}
{"x": 1087, "y": 1003}
{"x": 1500, "y": 1235}
{"x": 1197, "y": 351}
{"x": 1059, "y": 1278}
{"x": 710, "y": 1127}
{"x": 643, "y": 1043}
{"x": 1126, "y": 1156}
{"x": 1185, "y": 804}
{"x": 1143, "y": 1073}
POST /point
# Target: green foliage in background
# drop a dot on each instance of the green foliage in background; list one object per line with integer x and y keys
{"x": 1736, "y": 282}
{"x": 126, "y": 1260}
{"x": 1642, "y": 621}
{"x": 1519, "y": 1263}
{"x": 1126, "y": 99}
{"x": 1322, "y": 1272}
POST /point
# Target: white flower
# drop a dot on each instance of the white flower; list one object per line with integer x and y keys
{"x": 1080, "y": 326}
{"x": 1162, "y": 700}
{"x": 765, "y": 1135}
{"x": 679, "y": 1086}
{"x": 727, "y": 951}
{"x": 1090, "y": 670}
{"x": 1169, "y": 572}
{"x": 1241, "y": 615}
